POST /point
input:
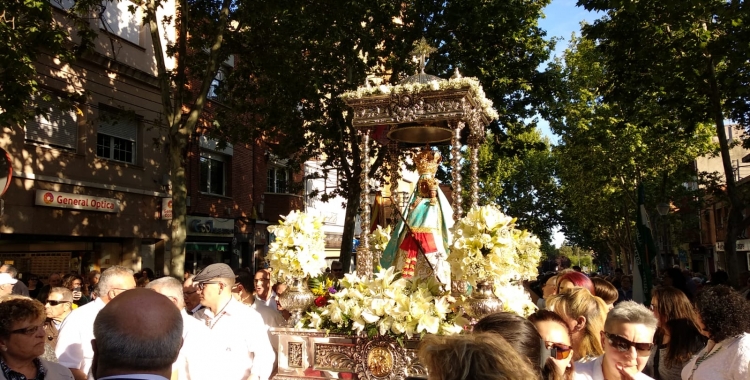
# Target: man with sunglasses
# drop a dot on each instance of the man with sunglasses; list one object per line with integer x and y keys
{"x": 627, "y": 341}
{"x": 58, "y": 307}
{"x": 237, "y": 329}
{"x": 74, "y": 348}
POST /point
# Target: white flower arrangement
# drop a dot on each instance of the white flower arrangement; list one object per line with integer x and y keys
{"x": 487, "y": 246}
{"x": 475, "y": 89}
{"x": 298, "y": 249}
{"x": 387, "y": 305}
{"x": 379, "y": 238}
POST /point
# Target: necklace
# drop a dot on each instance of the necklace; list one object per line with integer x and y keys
{"x": 218, "y": 316}
{"x": 244, "y": 299}
{"x": 705, "y": 357}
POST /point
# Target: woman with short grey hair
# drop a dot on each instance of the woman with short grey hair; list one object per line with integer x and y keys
{"x": 627, "y": 341}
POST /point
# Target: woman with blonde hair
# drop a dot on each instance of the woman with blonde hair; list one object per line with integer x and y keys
{"x": 481, "y": 356}
{"x": 585, "y": 315}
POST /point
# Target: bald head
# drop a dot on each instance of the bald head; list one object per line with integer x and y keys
{"x": 138, "y": 332}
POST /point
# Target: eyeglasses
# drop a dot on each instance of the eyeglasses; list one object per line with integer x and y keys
{"x": 622, "y": 344}
{"x": 559, "y": 351}
{"x": 202, "y": 285}
{"x": 31, "y": 330}
{"x": 55, "y": 303}
{"x": 189, "y": 293}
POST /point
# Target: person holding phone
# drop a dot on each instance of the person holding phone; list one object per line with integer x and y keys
{"x": 74, "y": 283}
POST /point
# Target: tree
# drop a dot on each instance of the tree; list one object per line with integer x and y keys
{"x": 27, "y": 30}
{"x": 303, "y": 57}
{"x": 607, "y": 148}
{"x": 522, "y": 184}
{"x": 690, "y": 60}
{"x": 199, "y": 48}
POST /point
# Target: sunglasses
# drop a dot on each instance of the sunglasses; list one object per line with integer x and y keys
{"x": 55, "y": 303}
{"x": 622, "y": 344}
{"x": 559, "y": 351}
{"x": 203, "y": 284}
{"x": 28, "y": 330}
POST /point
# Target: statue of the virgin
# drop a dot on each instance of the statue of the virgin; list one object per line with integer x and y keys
{"x": 430, "y": 217}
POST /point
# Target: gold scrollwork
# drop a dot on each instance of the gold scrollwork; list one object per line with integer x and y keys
{"x": 333, "y": 357}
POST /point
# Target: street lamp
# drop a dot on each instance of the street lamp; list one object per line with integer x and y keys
{"x": 663, "y": 208}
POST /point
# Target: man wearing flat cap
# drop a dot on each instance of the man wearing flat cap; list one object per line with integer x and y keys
{"x": 238, "y": 329}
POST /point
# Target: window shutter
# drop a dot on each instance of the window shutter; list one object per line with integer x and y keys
{"x": 57, "y": 128}
{"x": 122, "y": 126}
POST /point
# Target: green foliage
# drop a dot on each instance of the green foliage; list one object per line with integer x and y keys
{"x": 523, "y": 184}
{"x": 28, "y": 32}
{"x": 609, "y": 146}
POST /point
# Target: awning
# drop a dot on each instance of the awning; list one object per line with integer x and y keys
{"x": 220, "y": 247}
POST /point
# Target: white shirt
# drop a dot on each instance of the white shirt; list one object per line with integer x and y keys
{"x": 271, "y": 301}
{"x": 145, "y": 376}
{"x": 76, "y": 332}
{"x": 244, "y": 336}
{"x": 592, "y": 370}
{"x": 271, "y": 318}
{"x": 198, "y": 354}
{"x": 731, "y": 362}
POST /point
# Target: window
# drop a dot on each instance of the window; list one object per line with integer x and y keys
{"x": 213, "y": 173}
{"x": 120, "y": 21}
{"x": 56, "y": 127}
{"x": 217, "y": 86}
{"x": 116, "y": 137}
{"x": 278, "y": 180}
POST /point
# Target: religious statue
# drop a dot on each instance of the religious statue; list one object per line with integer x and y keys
{"x": 430, "y": 217}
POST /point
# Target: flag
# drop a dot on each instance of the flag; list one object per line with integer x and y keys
{"x": 645, "y": 250}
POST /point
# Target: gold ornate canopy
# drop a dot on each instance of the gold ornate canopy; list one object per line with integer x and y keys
{"x": 420, "y": 110}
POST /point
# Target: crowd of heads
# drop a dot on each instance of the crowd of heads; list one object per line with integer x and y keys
{"x": 586, "y": 319}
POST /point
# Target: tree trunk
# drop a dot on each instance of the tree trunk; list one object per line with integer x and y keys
{"x": 737, "y": 206}
{"x": 347, "y": 240}
{"x": 179, "y": 203}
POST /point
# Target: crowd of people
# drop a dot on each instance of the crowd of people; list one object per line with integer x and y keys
{"x": 589, "y": 328}
{"x": 216, "y": 325}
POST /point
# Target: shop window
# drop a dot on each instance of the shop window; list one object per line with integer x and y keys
{"x": 213, "y": 173}
{"x": 116, "y": 136}
{"x": 56, "y": 126}
{"x": 278, "y": 180}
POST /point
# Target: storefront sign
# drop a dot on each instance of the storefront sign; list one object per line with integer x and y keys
{"x": 742, "y": 245}
{"x": 206, "y": 226}
{"x": 76, "y": 201}
{"x": 333, "y": 240}
{"x": 166, "y": 208}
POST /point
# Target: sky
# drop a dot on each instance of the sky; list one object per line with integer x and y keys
{"x": 562, "y": 19}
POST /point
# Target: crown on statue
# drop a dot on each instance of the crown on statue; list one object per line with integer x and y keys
{"x": 427, "y": 161}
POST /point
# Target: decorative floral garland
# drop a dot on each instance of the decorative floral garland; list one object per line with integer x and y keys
{"x": 475, "y": 89}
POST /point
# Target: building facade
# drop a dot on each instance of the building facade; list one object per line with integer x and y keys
{"x": 91, "y": 183}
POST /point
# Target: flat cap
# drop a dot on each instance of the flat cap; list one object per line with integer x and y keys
{"x": 214, "y": 271}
